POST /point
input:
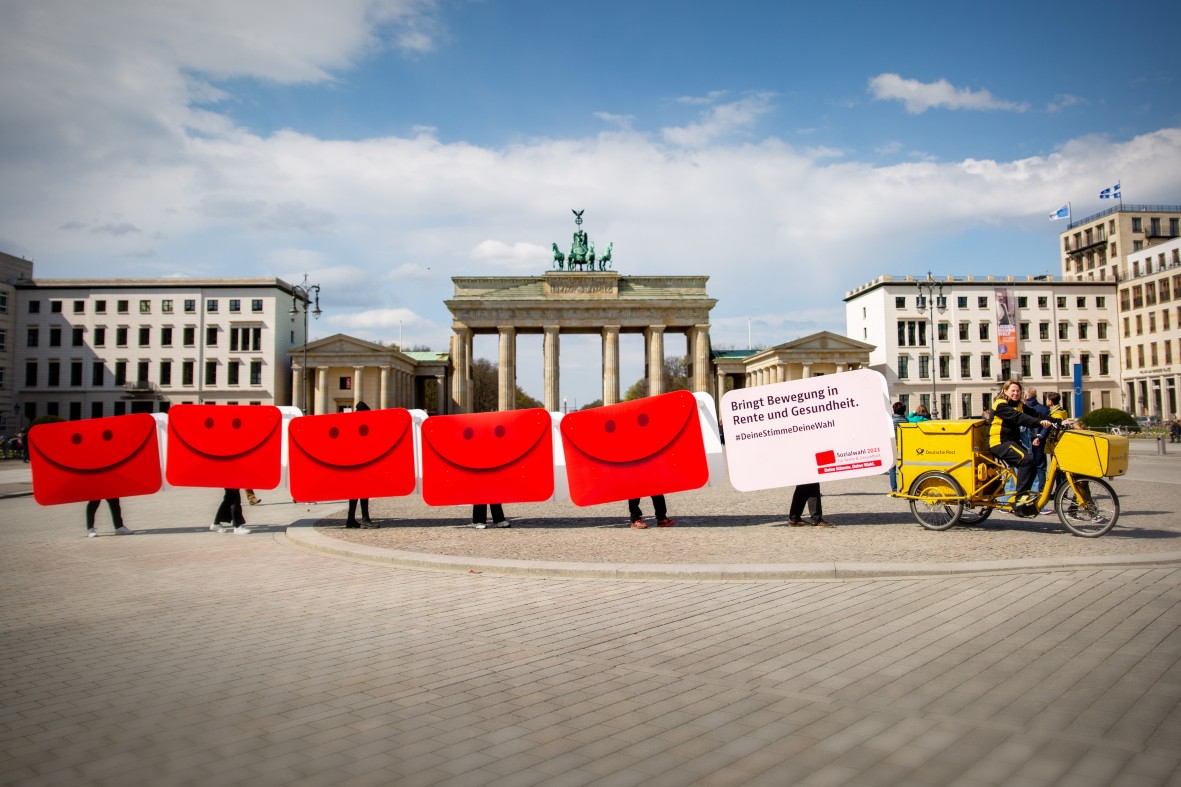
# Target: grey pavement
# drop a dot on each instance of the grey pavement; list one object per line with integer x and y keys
{"x": 182, "y": 656}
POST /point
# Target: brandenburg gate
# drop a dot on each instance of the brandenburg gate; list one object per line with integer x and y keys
{"x": 584, "y": 301}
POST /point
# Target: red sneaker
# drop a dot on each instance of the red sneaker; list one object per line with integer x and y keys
{"x": 666, "y": 522}
{"x": 638, "y": 524}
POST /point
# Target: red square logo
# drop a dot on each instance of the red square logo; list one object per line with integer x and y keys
{"x": 825, "y": 458}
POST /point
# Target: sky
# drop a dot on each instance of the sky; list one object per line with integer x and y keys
{"x": 789, "y": 151}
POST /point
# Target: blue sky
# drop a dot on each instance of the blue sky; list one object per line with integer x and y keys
{"x": 383, "y": 146}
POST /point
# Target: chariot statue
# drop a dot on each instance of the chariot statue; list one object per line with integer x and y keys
{"x": 582, "y": 250}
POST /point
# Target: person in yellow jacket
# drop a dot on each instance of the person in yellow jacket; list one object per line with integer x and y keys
{"x": 1004, "y": 434}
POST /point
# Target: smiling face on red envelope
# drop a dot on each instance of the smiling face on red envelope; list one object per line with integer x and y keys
{"x": 97, "y": 458}
{"x": 226, "y": 446}
{"x": 632, "y": 449}
{"x": 487, "y": 458}
{"x": 351, "y": 455}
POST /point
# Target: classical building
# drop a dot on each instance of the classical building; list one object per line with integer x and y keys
{"x": 96, "y": 347}
{"x": 948, "y": 343}
{"x": 809, "y": 356}
{"x": 594, "y": 302}
{"x": 1150, "y": 329}
{"x": 13, "y": 270}
{"x": 343, "y": 371}
{"x": 1097, "y": 248}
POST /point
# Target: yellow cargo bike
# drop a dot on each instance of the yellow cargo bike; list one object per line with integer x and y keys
{"x": 950, "y": 477}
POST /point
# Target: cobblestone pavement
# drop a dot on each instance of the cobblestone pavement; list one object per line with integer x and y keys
{"x": 181, "y": 656}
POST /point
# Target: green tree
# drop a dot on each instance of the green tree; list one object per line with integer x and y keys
{"x": 676, "y": 378}
{"x": 485, "y": 381}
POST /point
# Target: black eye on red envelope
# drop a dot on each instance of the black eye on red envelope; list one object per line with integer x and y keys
{"x": 225, "y": 446}
{"x": 504, "y": 457}
{"x": 72, "y": 461}
{"x": 646, "y": 447}
{"x": 351, "y": 455}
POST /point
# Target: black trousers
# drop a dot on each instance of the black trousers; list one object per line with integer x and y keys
{"x": 230, "y": 509}
{"x": 1015, "y": 454}
{"x": 116, "y": 512}
{"x": 352, "y": 520}
{"x": 633, "y": 508}
{"x": 809, "y": 493}
{"x": 480, "y": 514}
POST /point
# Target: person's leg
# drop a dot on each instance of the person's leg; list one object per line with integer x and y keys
{"x": 235, "y": 496}
{"x": 352, "y": 518}
{"x": 91, "y": 508}
{"x": 365, "y": 510}
{"x": 497, "y": 513}
{"x": 251, "y": 498}
{"x": 1018, "y": 457}
{"x": 223, "y": 510}
{"x": 480, "y": 514}
{"x": 116, "y": 507}
{"x": 815, "y": 507}
{"x": 660, "y": 508}
{"x": 633, "y": 509}
{"x": 798, "y": 498}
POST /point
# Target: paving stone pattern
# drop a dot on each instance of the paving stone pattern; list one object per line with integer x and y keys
{"x": 179, "y": 656}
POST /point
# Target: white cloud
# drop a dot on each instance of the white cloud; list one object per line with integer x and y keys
{"x": 720, "y": 121}
{"x": 918, "y": 97}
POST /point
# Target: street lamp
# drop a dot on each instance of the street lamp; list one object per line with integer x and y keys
{"x": 303, "y": 292}
{"x": 931, "y": 298}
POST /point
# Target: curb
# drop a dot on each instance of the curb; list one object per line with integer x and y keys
{"x": 303, "y": 534}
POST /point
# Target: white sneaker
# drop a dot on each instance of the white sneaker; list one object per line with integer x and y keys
{"x": 479, "y": 525}
{"x": 1047, "y": 511}
{"x": 216, "y": 528}
{"x": 240, "y": 530}
{"x": 91, "y": 532}
{"x": 501, "y": 523}
{"x": 125, "y": 531}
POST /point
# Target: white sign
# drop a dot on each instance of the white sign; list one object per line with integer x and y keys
{"x": 826, "y": 428}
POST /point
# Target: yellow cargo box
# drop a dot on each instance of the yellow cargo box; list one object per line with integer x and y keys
{"x": 1092, "y": 453}
{"x": 943, "y": 446}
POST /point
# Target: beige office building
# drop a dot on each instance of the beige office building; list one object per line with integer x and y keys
{"x": 1150, "y": 330}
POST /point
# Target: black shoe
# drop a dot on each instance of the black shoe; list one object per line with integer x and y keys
{"x": 351, "y": 524}
{"x": 368, "y": 525}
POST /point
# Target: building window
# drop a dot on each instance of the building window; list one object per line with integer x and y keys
{"x": 3, "y": 340}
{"x": 120, "y": 337}
{"x": 55, "y": 374}
{"x": 924, "y": 367}
{"x": 1084, "y": 360}
{"x": 1061, "y": 301}
{"x": 121, "y": 307}
{"x": 1064, "y": 365}
{"x": 97, "y": 373}
{"x": 256, "y": 305}
{"x": 961, "y": 301}
{"x": 1083, "y": 330}
{"x": 235, "y": 305}
{"x": 166, "y": 306}
{"x": 100, "y": 337}
{"x": 965, "y": 367}
{"x": 34, "y": 307}
{"x": 256, "y": 372}
{"x": 79, "y": 307}
{"x": 33, "y": 337}
{"x": 145, "y": 306}
{"x": 982, "y": 302}
{"x": 943, "y": 329}
{"x": 96, "y": 409}
{"x": 100, "y": 307}
{"x": 55, "y": 337}
{"x": 899, "y": 302}
{"x": 1063, "y": 330}
{"x": 984, "y": 331}
{"x": 145, "y": 336}
{"x": 141, "y": 373}
{"x": 165, "y": 372}
{"x": 120, "y": 372}
{"x": 1022, "y": 301}
{"x": 1043, "y": 301}
{"x": 55, "y": 307}
{"x": 186, "y": 373}
{"x": 30, "y": 374}
{"x": 189, "y": 338}
{"x": 965, "y": 329}
{"x": 1101, "y": 330}
{"x": 190, "y": 306}
{"x": 211, "y": 372}
{"x": 166, "y": 336}
{"x": 1100, "y": 302}
{"x": 1006, "y": 369}
{"x": 120, "y": 408}
{"x": 79, "y": 337}
{"x": 1080, "y": 302}
{"x": 345, "y": 383}
{"x": 1023, "y": 331}
{"x": 3, "y": 303}
{"x": 986, "y": 366}
{"x": 232, "y": 372}
{"x": 903, "y": 367}
{"x": 211, "y": 305}
{"x": 246, "y": 339}
{"x": 1026, "y": 366}
{"x": 1046, "y": 365}
{"x": 944, "y": 367}
{"x": 1043, "y": 331}
{"x": 211, "y": 336}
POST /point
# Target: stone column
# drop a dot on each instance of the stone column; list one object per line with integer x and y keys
{"x": 654, "y": 339}
{"x": 700, "y": 352}
{"x": 321, "y": 390}
{"x": 506, "y": 386}
{"x": 552, "y": 350}
{"x": 721, "y": 391}
{"x": 841, "y": 367}
{"x": 611, "y": 364}
{"x": 297, "y": 388}
{"x": 440, "y": 392}
{"x": 358, "y": 385}
{"x": 383, "y": 397}
{"x": 461, "y": 363}
{"x": 807, "y": 372}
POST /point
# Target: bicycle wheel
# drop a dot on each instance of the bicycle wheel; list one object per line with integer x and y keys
{"x": 974, "y": 516}
{"x": 937, "y": 506}
{"x": 1090, "y": 512}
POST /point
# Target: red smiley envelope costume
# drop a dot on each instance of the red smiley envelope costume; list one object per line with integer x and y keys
{"x": 224, "y": 446}
{"x": 646, "y": 447}
{"x": 72, "y": 461}
{"x": 351, "y": 455}
{"x": 476, "y": 458}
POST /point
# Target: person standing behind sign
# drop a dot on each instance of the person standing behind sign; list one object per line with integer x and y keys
{"x": 899, "y": 418}
{"x": 810, "y": 494}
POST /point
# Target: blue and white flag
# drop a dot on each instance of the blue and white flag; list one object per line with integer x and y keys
{"x": 1061, "y": 213}
{"x": 1111, "y": 193}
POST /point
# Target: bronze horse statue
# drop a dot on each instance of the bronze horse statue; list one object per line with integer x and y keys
{"x": 559, "y": 258}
